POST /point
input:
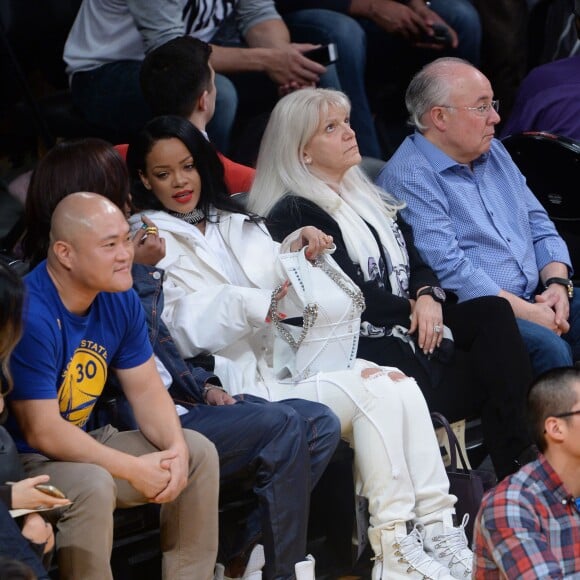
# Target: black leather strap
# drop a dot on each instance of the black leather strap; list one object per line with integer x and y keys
{"x": 566, "y": 282}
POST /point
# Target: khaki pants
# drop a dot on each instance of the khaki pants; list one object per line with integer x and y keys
{"x": 189, "y": 525}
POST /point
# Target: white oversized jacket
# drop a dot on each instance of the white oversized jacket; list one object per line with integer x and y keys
{"x": 206, "y": 313}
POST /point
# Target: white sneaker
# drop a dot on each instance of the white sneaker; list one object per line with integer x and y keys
{"x": 403, "y": 557}
{"x": 254, "y": 567}
{"x": 255, "y": 564}
{"x": 305, "y": 569}
{"x": 448, "y": 545}
{"x": 219, "y": 572}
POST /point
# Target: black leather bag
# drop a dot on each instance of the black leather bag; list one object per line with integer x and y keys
{"x": 10, "y": 465}
{"x": 467, "y": 484}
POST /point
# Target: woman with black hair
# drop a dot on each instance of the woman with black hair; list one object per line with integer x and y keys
{"x": 220, "y": 278}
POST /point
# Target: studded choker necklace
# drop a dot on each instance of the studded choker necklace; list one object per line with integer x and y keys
{"x": 192, "y": 217}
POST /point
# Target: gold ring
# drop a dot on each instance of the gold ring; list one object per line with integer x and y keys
{"x": 152, "y": 230}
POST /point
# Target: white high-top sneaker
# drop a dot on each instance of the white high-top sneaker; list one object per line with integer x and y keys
{"x": 403, "y": 557}
{"x": 305, "y": 569}
{"x": 448, "y": 544}
{"x": 219, "y": 572}
{"x": 255, "y": 564}
{"x": 253, "y": 569}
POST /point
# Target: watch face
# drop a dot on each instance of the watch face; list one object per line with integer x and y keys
{"x": 439, "y": 293}
{"x": 435, "y": 292}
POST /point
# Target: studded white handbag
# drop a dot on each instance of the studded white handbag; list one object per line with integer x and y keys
{"x": 325, "y": 338}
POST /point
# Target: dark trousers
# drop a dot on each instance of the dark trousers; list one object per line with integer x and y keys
{"x": 489, "y": 376}
{"x": 287, "y": 445}
{"x": 14, "y": 545}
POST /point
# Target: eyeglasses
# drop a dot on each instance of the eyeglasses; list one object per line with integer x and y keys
{"x": 482, "y": 110}
{"x": 568, "y": 414}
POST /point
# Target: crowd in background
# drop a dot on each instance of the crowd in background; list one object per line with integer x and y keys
{"x": 457, "y": 315}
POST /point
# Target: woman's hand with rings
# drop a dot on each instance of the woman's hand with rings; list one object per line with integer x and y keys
{"x": 427, "y": 320}
{"x": 148, "y": 228}
{"x": 149, "y": 246}
{"x": 316, "y": 241}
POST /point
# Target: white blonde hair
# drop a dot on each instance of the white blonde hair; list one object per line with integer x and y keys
{"x": 280, "y": 169}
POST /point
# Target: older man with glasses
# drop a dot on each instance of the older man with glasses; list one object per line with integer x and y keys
{"x": 529, "y": 525}
{"x": 475, "y": 221}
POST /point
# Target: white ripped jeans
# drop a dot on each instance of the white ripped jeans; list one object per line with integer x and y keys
{"x": 385, "y": 419}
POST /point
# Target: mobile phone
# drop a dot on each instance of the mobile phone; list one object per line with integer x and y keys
{"x": 50, "y": 490}
{"x": 323, "y": 55}
{"x": 440, "y": 35}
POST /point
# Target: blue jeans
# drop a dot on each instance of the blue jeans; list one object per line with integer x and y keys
{"x": 358, "y": 41}
{"x": 548, "y": 350}
{"x": 463, "y": 17}
{"x": 110, "y": 96}
{"x": 288, "y": 444}
{"x": 226, "y": 106}
{"x": 14, "y": 545}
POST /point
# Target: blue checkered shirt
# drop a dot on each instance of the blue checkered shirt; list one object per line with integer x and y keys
{"x": 480, "y": 230}
{"x": 528, "y": 527}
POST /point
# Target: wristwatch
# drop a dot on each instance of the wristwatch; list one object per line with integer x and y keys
{"x": 438, "y": 294}
{"x": 563, "y": 282}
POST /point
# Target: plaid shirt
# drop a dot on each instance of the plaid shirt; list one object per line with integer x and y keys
{"x": 528, "y": 527}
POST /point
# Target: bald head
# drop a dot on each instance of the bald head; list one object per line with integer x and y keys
{"x": 448, "y": 66}
{"x": 81, "y": 213}
{"x": 454, "y": 73}
{"x": 435, "y": 84}
{"x": 91, "y": 250}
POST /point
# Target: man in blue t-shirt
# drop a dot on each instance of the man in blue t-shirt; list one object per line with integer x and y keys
{"x": 82, "y": 319}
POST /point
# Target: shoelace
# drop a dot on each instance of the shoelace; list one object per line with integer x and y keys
{"x": 410, "y": 551}
{"x": 454, "y": 544}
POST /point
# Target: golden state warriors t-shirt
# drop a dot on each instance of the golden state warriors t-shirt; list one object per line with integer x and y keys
{"x": 67, "y": 357}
